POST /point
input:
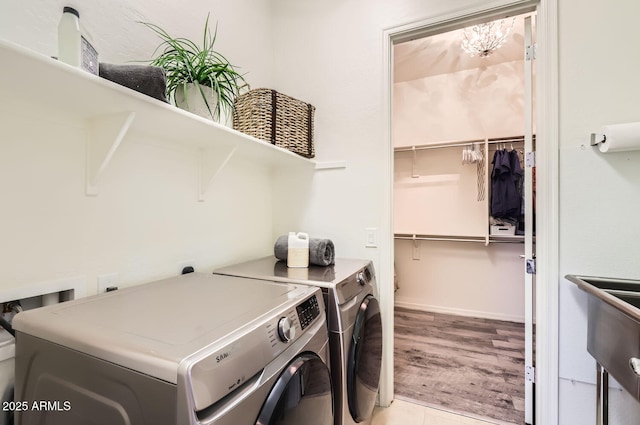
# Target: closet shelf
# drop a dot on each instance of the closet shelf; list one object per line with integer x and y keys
{"x": 111, "y": 112}
{"x": 458, "y": 238}
{"x": 444, "y": 238}
{"x": 440, "y": 145}
{"x": 459, "y": 143}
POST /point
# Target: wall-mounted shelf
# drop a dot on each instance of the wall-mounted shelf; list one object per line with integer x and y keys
{"x": 111, "y": 112}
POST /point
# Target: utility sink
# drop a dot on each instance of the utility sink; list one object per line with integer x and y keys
{"x": 613, "y": 336}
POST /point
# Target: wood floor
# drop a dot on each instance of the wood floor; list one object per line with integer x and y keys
{"x": 461, "y": 364}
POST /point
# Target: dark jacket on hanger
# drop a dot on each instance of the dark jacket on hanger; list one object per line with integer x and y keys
{"x": 506, "y": 193}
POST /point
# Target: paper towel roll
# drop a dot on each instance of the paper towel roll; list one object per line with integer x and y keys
{"x": 621, "y": 137}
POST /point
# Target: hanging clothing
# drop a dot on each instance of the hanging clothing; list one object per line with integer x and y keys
{"x": 506, "y": 185}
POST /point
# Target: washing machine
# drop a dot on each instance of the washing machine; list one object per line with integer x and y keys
{"x": 194, "y": 349}
{"x": 354, "y": 321}
{"x": 7, "y": 354}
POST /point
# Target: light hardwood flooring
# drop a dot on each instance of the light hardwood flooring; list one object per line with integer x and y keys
{"x": 460, "y": 364}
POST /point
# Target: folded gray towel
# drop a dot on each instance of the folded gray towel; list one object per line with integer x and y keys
{"x": 321, "y": 251}
{"x": 280, "y": 248}
{"x": 149, "y": 80}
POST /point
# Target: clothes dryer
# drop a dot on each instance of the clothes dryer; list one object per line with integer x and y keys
{"x": 354, "y": 321}
{"x": 194, "y": 349}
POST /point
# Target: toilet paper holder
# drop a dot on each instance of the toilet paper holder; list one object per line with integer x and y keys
{"x": 597, "y": 139}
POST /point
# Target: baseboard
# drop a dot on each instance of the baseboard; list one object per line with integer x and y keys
{"x": 459, "y": 311}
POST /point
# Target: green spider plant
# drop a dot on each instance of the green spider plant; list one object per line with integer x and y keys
{"x": 185, "y": 62}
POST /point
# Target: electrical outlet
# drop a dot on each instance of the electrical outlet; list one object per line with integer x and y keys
{"x": 185, "y": 263}
{"x": 107, "y": 281}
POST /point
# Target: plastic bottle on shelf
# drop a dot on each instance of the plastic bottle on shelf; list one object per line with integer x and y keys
{"x": 74, "y": 42}
{"x": 298, "y": 250}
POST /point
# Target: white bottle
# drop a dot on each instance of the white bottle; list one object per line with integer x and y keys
{"x": 74, "y": 42}
{"x": 298, "y": 250}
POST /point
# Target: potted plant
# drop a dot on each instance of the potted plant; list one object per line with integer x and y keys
{"x": 199, "y": 79}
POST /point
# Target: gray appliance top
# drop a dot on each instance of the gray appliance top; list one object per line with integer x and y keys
{"x": 152, "y": 327}
{"x": 270, "y": 268}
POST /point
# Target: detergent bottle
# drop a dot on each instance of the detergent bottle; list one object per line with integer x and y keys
{"x": 75, "y": 45}
{"x": 298, "y": 250}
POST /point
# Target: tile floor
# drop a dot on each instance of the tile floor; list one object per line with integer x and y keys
{"x": 405, "y": 413}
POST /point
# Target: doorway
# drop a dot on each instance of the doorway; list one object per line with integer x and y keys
{"x": 461, "y": 284}
{"x": 547, "y": 163}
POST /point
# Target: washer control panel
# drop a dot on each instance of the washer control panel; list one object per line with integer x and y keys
{"x": 292, "y": 323}
{"x": 308, "y": 311}
{"x": 286, "y": 329}
{"x": 227, "y": 365}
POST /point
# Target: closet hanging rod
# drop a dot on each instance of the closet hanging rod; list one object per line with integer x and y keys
{"x": 482, "y": 239}
{"x": 437, "y": 146}
{"x": 441, "y": 238}
{"x": 459, "y": 143}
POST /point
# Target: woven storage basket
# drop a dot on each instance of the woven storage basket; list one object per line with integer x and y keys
{"x": 276, "y": 118}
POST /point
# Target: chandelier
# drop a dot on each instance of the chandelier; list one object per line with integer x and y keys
{"x": 481, "y": 40}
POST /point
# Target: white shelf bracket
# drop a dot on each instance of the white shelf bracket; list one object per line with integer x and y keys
{"x": 413, "y": 163}
{"x": 210, "y": 162}
{"x": 330, "y": 165}
{"x": 105, "y": 134}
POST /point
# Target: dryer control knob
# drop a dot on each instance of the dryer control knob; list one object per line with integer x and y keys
{"x": 286, "y": 329}
{"x": 360, "y": 278}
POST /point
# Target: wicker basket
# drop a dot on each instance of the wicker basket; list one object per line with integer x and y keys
{"x": 276, "y": 118}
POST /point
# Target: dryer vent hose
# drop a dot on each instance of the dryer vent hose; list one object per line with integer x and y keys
{"x": 7, "y": 326}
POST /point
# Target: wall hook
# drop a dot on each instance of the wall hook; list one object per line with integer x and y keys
{"x": 597, "y": 139}
{"x": 416, "y": 249}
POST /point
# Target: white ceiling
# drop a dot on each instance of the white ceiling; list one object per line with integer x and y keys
{"x": 442, "y": 54}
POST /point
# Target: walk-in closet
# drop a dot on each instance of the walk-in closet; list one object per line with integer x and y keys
{"x": 464, "y": 133}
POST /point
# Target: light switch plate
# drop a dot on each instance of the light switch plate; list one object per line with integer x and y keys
{"x": 371, "y": 237}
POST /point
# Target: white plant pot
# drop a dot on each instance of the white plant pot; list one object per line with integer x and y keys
{"x": 192, "y": 100}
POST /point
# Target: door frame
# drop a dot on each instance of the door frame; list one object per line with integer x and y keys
{"x": 547, "y": 188}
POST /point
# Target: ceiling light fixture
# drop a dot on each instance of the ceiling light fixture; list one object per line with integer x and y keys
{"x": 483, "y": 39}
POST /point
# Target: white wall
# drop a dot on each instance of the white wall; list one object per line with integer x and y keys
{"x": 443, "y": 198}
{"x": 599, "y": 194}
{"x": 487, "y": 101}
{"x": 146, "y": 218}
{"x": 461, "y": 278}
{"x": 244, "y": 28}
